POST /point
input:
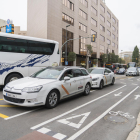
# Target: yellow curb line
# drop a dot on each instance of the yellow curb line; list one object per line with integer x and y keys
{"x": 8, "y": 106}
{"x": 3, "y": 116}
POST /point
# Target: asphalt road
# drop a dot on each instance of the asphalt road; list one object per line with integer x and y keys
{"x": 79, "y": 117}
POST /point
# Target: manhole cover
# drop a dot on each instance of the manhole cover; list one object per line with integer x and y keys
{"x": 116, "y": 119}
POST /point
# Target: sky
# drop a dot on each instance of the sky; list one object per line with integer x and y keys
{"x": 127, "y": 11}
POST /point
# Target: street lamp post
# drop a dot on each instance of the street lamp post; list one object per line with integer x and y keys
{"x": 121, "y": 56}
{"x": 107, "y": 51}
{"x": 66, "y": 44}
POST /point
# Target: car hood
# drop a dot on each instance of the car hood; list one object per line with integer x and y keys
{"x": 96, "y": 75}
{"x": 131, "y": 71}
{"x": 29, "y": 82}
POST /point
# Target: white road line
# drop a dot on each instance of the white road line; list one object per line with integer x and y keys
{"x": 59, "y": 136}
{"x": 92, "y": 90}
{"x": 21, "y": 114}
{"x": 77, "y": 134}
{"x": 44, "y": 130}
{"x": 59, "y": 116}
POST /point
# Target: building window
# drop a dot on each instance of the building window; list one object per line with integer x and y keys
{"x": 102, "y": 18}
{"x": 102, "y": 49}
{"x": 83, "y": 14}
{"x": 109, "y": 15}
{"x": 108, "y": 23}
{"x": 68, "y": 4}
{"x": 114, "y": 21}
{"x": 82, "y": 46}
{"x": 102, "y": 28}
{"x": 82, "y": 27}
{"x": 114, "y": 29}
{"x": 67, "y": 19}
{"x": 102, "y": 38}
{"x": 95, "y": 1}
{"x": 102, "y": 8}
{"x": 70, "y": 43}
{"x": 84, "y": 2}
{"x": 94, "y": 22}
{"x": 108, "y": 32}
{"x": 113, "y": 44}
{"x": 93, "y": 10}
{"x": 108, "y": 42}
{"x": 113, "y": 36}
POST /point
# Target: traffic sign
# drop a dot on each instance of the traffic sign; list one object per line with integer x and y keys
{"x": 66, "y": 63}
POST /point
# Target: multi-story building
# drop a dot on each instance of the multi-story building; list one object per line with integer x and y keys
{"x": 2, "y": 25}
{"x": 18, "y": 31}
{"x": 49, "y": 18}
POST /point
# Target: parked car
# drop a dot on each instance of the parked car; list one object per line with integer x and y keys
{"x": 48, "y": 86}
{"x": 139, "y": 70}
{"x": 132, "y": 71}
{"x": 101, "y": 77}
{"x": 121, "y": 71}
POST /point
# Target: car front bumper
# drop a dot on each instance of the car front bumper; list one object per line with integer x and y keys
{"x": 24, "y": 99}
{"x": 131, "y": 74}
{"x": 95, "y": 84}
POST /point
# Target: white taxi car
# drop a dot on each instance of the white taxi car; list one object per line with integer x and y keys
{"x": 101, "y": 77}
{"x": 48, "y": 86}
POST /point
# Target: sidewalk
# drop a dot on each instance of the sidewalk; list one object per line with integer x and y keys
{"x": 135, "y": 134}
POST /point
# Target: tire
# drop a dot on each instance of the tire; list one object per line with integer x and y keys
{"x": 113, "y": 80}
{"x": 101, "y": 85}
{"x": 12, "y": 77}
{"x": 87, "y": 89}
{"x": 126, "y": 75}
{"x": 54, "y": 98}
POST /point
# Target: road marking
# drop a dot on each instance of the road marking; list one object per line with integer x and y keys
{"x": 3, "y": 116}
{"x": 8, "y": 106}
{"x": 137, "y": 96}
{"x": 134, "y": 84}
{"x": 118, "y": 94}
{"x": 44, "y": 130}
{"x": 123, "y": 83}
{"x": 77, "y": 134}
{"x": 65, "y": 121}
{"x": 72, "y": 110}
{"x": 59, "y": 136}
{"x": 1, "y": 99}
{"x": 92, "y": 90}
{"x": 21, "y": 114}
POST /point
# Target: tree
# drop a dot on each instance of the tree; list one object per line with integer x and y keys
{"x": 89, "y": 49}
{"x": 104, "y": 58}
{"x": 71, "y": 57}
{"x": 135, "y": 55}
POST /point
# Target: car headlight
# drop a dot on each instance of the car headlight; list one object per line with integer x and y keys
{"x": 32, "y": 89}
{"x": 94, "y": 79}
{"x": 7, "y": 87}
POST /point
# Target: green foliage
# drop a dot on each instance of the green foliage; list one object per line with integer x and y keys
{"x": 89, "y": 49}
{"x": 104, "y": 58}
{"x": 71, "y": 57}
{"x": 135, "y": 55}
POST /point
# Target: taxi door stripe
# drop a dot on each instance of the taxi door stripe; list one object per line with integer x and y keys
{"x": 65, "y": 89}
{"x": 105, "y": 79}
{"x": 3, "y": 116}
{"x": 8, "y": 106}
{"x": 1, "y": 99}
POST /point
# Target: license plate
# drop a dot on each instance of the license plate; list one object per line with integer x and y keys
{"x": 11, "y": 95}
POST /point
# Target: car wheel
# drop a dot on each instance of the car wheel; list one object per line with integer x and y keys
{"x": 12, "y": 77}
{"x": 87, "y": 89}
{"x": 113, "y": 80}
{"x": 126, "y": 75}
{"x": 52, "y": 99}
{"x": 101, "y": 85}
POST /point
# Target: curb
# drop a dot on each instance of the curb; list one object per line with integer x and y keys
{"x": 133, "y": 135}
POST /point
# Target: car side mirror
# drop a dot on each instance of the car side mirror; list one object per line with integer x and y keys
{"x": 106, "y": 73}
{"x": 66, "y": 78}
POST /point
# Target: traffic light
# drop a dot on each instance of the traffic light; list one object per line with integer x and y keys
{"x": 93, "y": 38}
{"x": 12, "y": 29}
{"x": 0, "y": 29}
{"x": 136, "y": 58}
{"x": 62, "y": 59}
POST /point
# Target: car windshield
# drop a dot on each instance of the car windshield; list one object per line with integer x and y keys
{"x": 121, "y": 69}
{"x": 132, "y": 68}
{"x": 96, "y": 71}
{"x": 48, "y": 73}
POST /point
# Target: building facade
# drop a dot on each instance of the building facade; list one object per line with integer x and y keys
{"x": 49, "y": 18}
{"x": 18, "y": 31}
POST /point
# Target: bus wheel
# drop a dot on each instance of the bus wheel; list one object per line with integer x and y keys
{"x": 12, "y": 77}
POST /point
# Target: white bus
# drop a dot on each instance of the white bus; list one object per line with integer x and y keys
{"x": 21, "y": 56}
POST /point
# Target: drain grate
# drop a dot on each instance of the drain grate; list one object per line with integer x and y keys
{"x": 116, "y": 119}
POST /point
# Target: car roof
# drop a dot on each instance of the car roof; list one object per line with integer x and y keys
{"x": 66, "y": 67}
{"x": 97, "y": 68}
